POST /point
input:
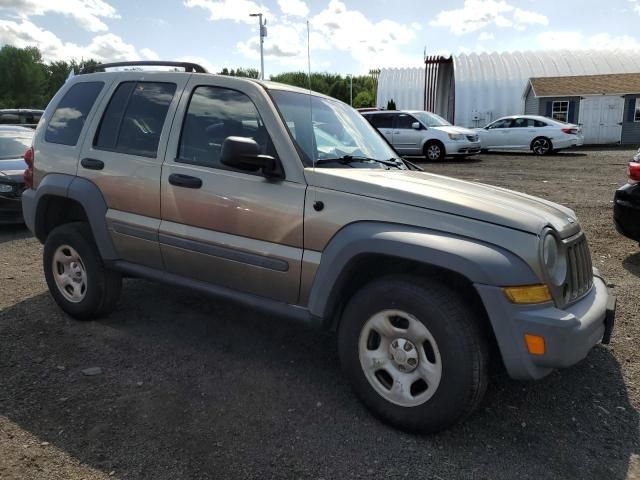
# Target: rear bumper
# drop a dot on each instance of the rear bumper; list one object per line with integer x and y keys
{"x": 568, "y": 333}
{"x": 10, "y": 210}
{"x": 567, "y": 141}
{"x": 28, "y": 209}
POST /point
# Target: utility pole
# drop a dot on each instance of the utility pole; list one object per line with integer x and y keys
{"x": 263, "y": 33}
{"x": 350, "y": 89}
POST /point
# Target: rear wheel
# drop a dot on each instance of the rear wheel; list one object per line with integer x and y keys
{"x": 541, "y": 146}
{"x": 77, "y": 278}
{"x": 434, "y": 151}
{"x": 414, "y": 353}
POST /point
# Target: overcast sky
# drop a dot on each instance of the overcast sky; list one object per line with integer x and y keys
{"x": 347, "y": 36}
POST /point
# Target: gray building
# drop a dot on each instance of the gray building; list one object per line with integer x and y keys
{"x": 605, "y": 106}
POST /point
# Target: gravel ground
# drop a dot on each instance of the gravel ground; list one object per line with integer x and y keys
{"x": 196, "y": 388}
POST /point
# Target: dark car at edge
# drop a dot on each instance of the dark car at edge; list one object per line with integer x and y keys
{"x": 626, "y": 204}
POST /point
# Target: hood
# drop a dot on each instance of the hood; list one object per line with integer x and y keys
{"x": 454, "y": 129}
{"x": 12, "y": 168}
{"x": 445, "y": 194}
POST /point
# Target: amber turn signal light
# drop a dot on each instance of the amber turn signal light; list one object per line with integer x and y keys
{"x": 528, "y": 294}
{"x": 535, "y": 344}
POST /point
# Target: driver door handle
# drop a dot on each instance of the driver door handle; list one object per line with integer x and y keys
{"x": 185, "y": 181}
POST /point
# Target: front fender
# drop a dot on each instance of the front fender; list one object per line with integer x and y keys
{"x": 479, "y": 262}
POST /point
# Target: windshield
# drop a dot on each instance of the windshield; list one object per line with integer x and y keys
{"x": 430, "y": 119}
{"x": 13, "y": 147}
{"x": 326, "y": 129}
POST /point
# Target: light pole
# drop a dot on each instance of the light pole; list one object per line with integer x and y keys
{"x": 263, "y": 33}
{"x": 350, "y": 89}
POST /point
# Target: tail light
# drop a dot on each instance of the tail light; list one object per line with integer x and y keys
{"x": 28, "y": 173}
{"x": 570, "y": 131}
{"x": 634, "y": 172}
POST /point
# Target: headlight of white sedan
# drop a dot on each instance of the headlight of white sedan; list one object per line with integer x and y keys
{"x": 554, "y": 259}
{"x": 456, "y": 136}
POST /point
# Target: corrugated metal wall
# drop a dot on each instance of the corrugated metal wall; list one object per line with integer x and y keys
{"x": 492, "y": 84}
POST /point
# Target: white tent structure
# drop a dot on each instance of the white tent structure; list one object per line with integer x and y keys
{"x": 473, "y": 89}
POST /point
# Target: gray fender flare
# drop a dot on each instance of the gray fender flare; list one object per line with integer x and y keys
{"x": 479, "y": 262}
{"x": 83, "y": 191}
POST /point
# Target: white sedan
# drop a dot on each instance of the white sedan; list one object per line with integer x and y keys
{"x": 541, "y": 135}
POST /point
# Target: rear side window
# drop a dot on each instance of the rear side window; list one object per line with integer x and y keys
{"x": 68, "y": 118}
{"x": 383, "y": 120}
{"x": 9, "y": 118}
{"x": 539, "y": 124}
{"x": 133, "y": 120}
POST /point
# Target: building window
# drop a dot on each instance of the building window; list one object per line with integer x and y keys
{"x": 560, "y": 111}
{"x": 636, "y": 115}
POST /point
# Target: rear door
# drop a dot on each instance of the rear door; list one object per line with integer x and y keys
{"x": 122, "y": 154}
{"x": 523, "y": 131}
{"x": 407, "y": 140}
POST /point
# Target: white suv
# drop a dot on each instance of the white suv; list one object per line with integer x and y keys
{"x": 424, "y": 133}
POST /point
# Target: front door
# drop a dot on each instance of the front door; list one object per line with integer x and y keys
{"x": 601, "y": 119}
{"x": 407, "y": 139}
{"x": 233, "y": 228}
{"x": 497, "y": 134}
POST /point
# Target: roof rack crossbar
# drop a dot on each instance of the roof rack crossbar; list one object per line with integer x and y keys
{"x": 188, "y": 66}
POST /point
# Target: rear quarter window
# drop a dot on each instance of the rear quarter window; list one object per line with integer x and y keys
{"x": 69, "y": 116}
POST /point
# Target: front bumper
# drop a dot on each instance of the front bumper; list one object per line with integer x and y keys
{"x": 463, "y": 148}
{"x": 10, "y": 210}
{"x": 568, "y": 333}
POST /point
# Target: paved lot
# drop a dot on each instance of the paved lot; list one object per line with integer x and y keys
{"x": 195, "y": 388}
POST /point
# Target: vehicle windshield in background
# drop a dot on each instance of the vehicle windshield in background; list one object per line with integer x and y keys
{"x": 326, "y": 129}
{"x": 430, "y": 119}
{"x": 13, "y": 146}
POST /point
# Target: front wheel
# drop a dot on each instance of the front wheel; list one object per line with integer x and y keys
{"x": 414, "y": 353}
{"x": 434, "y": 151}
{"x": 541, "y": 146}
{"x": 76, "y": 276}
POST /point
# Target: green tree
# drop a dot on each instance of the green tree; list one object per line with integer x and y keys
{"x": 364, "y": 99}
{"x": 391, "y": 105}
{"x": 22, "y": 78}
{"x": 240, "y": 72}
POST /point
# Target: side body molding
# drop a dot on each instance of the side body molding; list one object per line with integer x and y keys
{"x": 83, "y": 191}
{"x": 479, "y": 262}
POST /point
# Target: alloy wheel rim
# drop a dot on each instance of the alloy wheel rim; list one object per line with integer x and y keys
{"x": 540, "y": 146}
{"x": 69, "y": 273}
{"x": 400, "y": 358}
{"x": 433, "y": 152}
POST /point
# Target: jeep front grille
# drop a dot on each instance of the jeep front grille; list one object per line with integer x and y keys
{"x": 579, "y": 269}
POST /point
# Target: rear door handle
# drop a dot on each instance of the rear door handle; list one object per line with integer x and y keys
{"x": 186, "y": 181}
{"x": 92, "y": 164}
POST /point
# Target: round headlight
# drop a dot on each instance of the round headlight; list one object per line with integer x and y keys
{"x": 554, "y": 260}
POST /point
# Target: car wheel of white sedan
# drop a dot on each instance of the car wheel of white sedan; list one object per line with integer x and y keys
{"x": 541, "y": 146}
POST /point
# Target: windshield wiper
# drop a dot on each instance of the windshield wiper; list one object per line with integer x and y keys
{"x": 348, "y": 159}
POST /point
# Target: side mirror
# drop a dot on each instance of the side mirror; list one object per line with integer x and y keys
{"x": 416, "y": 125}
{"x": 243, "y": 153}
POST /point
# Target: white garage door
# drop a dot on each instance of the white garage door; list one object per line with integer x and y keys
{"x": 601, "y": 118}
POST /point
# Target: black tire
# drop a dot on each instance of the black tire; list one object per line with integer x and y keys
{"x": 103, "y": 286}
{"x": 434, "y": 151}
{"x": 541, "y": 146}
{"x": 460, "y": 341}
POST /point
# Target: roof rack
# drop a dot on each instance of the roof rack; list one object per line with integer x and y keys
{"x": 188, "y": 66}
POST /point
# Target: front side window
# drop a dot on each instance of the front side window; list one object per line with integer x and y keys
{"x": 504, "y": 123}
{"x": 69, "y": 116}
{"x": 560, "y": 111}
{"x": 431, "y": 119}
{"x": 134, "y": 118}
{"x": 404, "y": 121}
{"x": 214, "y": 114}
{"x": 326, "y": 129}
